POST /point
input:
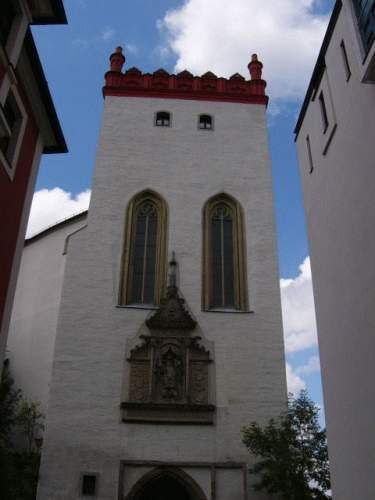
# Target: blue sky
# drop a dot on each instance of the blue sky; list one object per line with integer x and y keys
{"x": 198, "y": 35}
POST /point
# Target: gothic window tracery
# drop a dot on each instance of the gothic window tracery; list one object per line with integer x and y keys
{"x": 144, "y": 255}
{"x": 224, "y": 255}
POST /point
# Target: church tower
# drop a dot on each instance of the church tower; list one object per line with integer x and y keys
{"x": 169, "y": 338}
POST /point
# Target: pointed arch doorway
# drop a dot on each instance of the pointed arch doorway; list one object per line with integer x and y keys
{"x": 166, "y": 483}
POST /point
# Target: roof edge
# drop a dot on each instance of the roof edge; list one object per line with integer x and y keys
{"x": 54, "y": 227}
{"x": 319, "y": 66}
{"x": 58, "y": 16}
{"x": 32, "y": 54}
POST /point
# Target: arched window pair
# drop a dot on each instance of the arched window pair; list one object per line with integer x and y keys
{"x": 163, "y": 119}
{"x": 145, "y": 252}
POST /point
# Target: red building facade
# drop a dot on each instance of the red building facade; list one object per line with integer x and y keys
{"x": 28, "y": 127}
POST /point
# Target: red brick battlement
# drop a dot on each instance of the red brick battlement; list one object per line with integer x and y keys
{"x": 184, "y": 85}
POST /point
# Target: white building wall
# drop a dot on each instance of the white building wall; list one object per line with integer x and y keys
{"x": 186, "y": 166}
{"x": 339, "y": 196}
{"x": 33, "y": 324}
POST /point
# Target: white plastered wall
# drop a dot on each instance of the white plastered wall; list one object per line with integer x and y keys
{"x": 339, "y": 199}
{"x": 186, "y": 166}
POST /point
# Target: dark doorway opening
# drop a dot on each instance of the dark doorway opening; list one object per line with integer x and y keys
{"x": 165, "y": 488}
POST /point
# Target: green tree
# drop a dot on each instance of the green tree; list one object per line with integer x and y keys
{"x": 9, "y": 400}
{"x": 19, "y": 470}
{"x": 293, "y": 453}
{"x": 30, "y": 420}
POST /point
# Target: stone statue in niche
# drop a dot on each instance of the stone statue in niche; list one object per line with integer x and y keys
{"x": 169, "y": 375}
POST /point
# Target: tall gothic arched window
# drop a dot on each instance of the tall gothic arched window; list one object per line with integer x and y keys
{"x": 224, "y": 255}
{"x": 143, "y": 276}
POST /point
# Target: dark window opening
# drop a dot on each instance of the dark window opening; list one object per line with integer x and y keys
{"x": 165, "y": 488}
{"x": 7, "y": 15}
{"x": 222, "y": 257}
{"x": 345, "y": 60}
{"x": 163, "y": 119}
{"x": 365, "y": 12}
{"x": 309, "y": 153}
{"x": 205, "y": 122}
{"x": 323, "y": 111}
{"x": 89, "y": 485}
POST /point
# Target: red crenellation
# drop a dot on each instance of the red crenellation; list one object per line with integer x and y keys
{"x": 184, "y": 85}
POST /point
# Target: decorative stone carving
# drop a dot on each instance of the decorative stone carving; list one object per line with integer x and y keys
{"x": 169, "y": 371}
{"x": 139, "y": 382}
{"x": 199, "y": 383}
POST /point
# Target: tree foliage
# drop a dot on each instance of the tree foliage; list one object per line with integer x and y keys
{"x": 19, "y": 470}
{"x": 9, "y": 400}
{"x": 30, "y": 420}
{"x": 293, "y": 453}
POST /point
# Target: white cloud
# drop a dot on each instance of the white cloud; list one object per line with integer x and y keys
{"x": 294, "y": 382}
{"x": 312, "y": 366}
{"x": 220, "y": 36}
{"x": 298, "y": 309}
{"x": 108, "y": 34}
{"x": 84, "y": 43}
{"x": 51, "y": 206}
{"x": 133, "y": 49}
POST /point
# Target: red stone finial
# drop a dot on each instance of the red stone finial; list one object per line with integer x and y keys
{"x": 255, "y": 68}
{"x": 117, "y": 60}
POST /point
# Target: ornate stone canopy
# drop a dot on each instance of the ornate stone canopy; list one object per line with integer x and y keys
{"x": 169, "y": 371}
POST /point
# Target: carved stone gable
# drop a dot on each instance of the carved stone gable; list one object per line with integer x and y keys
{"x": 160, "y": 72}
{"x": 169, "y": 375}
{"x": 237, "y": 76}
{"x": 209, "y": 74}
{"x": 185, "y": 74}
{"x": 171, "y": 315}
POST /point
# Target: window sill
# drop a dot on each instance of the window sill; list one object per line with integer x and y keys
{"x": 148, "y": 307}
{"x": 227, "y": 310}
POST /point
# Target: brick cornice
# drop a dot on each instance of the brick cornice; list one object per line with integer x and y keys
{"x": 184, "y": 85}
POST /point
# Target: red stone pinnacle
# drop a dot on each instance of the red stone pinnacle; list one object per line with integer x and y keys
{"x": 117, "y": 60}
{"x": 255, "y": 68}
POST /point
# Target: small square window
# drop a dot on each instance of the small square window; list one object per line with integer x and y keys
{"x": 163, "y": 119}
{"x": 205, "y": 122}
{"x": 89, "y": 485}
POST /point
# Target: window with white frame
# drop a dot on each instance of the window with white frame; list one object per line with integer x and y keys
{"x": 13, "y": 119}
